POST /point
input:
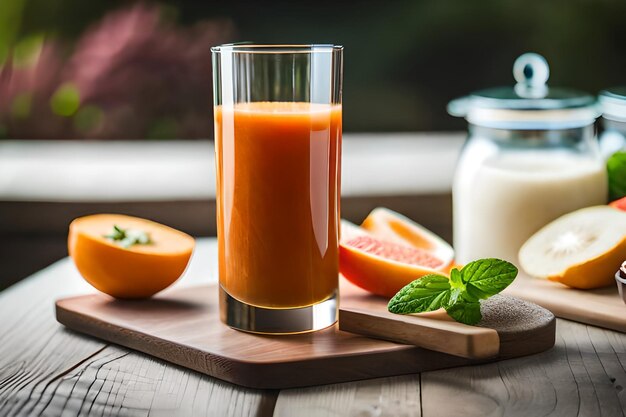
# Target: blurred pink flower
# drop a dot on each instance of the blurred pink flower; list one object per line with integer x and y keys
{"x": 136, "y": 76}
{"x": 25, "y": 91}
{"x": 140, "y": 70}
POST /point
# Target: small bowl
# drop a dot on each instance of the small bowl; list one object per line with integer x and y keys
{"x": 621, "y": 286}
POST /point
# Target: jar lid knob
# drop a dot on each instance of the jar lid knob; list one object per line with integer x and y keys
{"x": 531, "y": 71}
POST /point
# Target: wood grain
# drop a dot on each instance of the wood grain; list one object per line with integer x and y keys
{"x": 601, "y": 307}
{"x": 582, "y": 376}
{"x": 388, "y": 397}
{"x": 48, "y": 370}
{"x": 31, "y": 344}
{"x": 118, "y": 382}
{"x": 183, "y": 326}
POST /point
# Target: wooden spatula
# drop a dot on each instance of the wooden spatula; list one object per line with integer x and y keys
{"x": 509, "y": 325}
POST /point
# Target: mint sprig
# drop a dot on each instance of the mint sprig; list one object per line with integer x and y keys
{"x": 128, "y": 237}
{"x": 460, "y": 295}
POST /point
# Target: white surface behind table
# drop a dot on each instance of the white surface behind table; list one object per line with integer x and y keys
{"x": 88, "y": 171}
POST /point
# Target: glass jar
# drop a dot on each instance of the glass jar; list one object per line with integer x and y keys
{"x": 613, "y": 137}
{"x": 531, "y": 156}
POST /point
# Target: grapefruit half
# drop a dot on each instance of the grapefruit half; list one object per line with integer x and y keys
{"x": 380, "y": 266}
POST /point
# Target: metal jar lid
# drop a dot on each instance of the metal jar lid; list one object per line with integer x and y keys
{"x": 530, "y": 104}
{"x": 613, "y": 103}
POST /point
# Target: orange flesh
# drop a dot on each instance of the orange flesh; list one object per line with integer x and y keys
{"x": 278, "y": 182}
{"x": 595, "y": 273}
{"x": 393, "y": 227}
{"x": 388, "y": 227}
{"x": 401, "y": 230}
{"x": 165, "y": 240}
{"x": 383, "y": 268}
{"x": 395, "y": 252}
{"x": 135, "y": 272}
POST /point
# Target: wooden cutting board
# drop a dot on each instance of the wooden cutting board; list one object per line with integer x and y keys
{"x": 602, "y": 307}
{"x": 510, "y": 327}
{"x": 182, "y": 326}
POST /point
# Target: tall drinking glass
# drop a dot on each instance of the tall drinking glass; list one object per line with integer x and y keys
{"x": 278, "y": 160}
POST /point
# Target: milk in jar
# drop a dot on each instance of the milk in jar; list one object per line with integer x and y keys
{"x": 531, "y": 156}
{"x": 500, "y": 202}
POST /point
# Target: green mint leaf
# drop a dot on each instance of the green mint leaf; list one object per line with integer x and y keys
{"x": 460, "y": 295}
{"x": 487, "y": 277}
{"x": 455, "y": 279}
{"x": 616, "y": 170}
{"x": 117, "y": 234}
{"x": 465, "y": 312}
{"x": 428, "y": 293}
{"x": 467, "y": 297}
{"x": 456, "y": 295}
{"x": 129, "y": 237}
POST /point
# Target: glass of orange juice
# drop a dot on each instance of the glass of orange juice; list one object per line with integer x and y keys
{"x": 278, "y": 160}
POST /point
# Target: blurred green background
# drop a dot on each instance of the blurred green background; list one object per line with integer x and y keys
{"x": 117, "y": 69}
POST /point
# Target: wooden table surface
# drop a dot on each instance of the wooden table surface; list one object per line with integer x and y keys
{"x": 48, "y": 370}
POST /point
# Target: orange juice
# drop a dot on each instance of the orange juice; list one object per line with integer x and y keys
{"x": 278, "y": 184}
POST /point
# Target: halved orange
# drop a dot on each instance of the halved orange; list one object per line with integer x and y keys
{"x": 128, "y": 271}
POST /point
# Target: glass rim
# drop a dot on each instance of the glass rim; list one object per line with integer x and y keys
{"x": 257, "y": 48}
